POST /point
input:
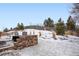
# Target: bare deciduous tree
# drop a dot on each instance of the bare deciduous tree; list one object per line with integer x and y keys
{"x": 75, "y": 12}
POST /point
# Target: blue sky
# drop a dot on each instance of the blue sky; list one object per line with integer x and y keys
{"x": 11, "y": 14}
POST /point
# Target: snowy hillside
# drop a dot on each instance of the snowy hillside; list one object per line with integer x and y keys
{"x": 47, "y": 45}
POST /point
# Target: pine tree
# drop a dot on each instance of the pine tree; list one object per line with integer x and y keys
{"x": 70, "y": 24}
{"x": 11, "y": 28}
{"x": 20, "y": 26}
{"x": 49, "y": 23}
{"x": 60, "y": 27}
{"x": 77, "y": 31}
{"x": 5, "y": 30}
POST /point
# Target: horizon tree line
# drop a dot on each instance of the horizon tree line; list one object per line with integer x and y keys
{"x": 60, "y": 26}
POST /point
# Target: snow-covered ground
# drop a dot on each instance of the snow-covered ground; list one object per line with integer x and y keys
{"x": 48, "y": 46}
